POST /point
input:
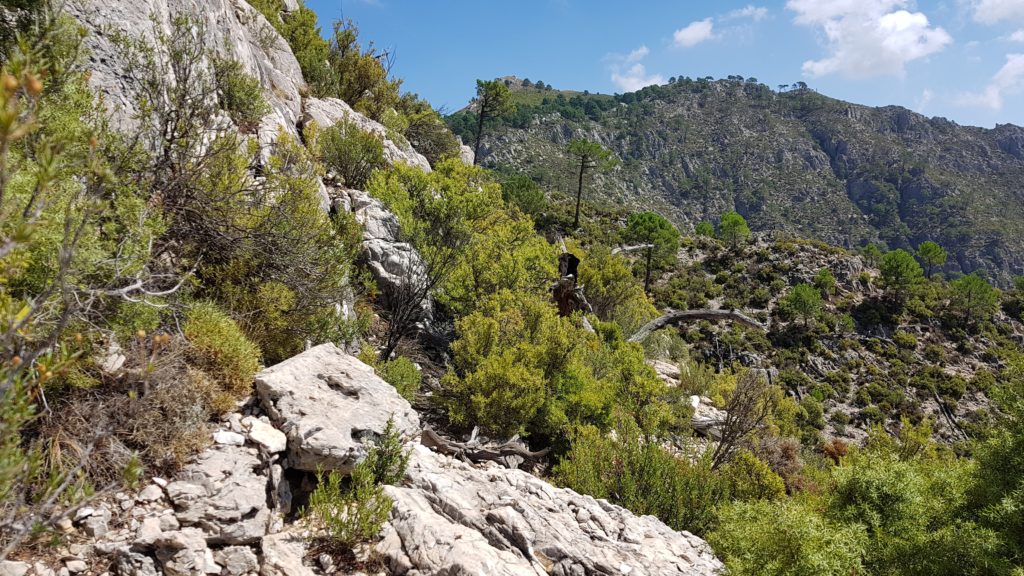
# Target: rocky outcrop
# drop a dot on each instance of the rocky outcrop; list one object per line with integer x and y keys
{"x": 232, "y": 27}
{"x": 330, "y": 111}
{"x": 453, "y": 518}
{"x": 226, "y": 513}
{"x": 332, "y": 407}
{"x": 396, "y": 266}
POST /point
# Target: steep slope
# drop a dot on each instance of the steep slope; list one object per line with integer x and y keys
{"x": 795, "y": 161}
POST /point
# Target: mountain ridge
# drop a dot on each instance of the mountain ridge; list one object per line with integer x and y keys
{"x": 796, "y": 161}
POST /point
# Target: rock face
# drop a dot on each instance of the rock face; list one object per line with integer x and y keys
{"x": 233, "y": 28}
{"x": 329, "y": 111}
{"x": 452, "y": 518}
{"x": 331, "y": 406}
{"x": 224, "y": 492}
{"x": 396, "y": 266}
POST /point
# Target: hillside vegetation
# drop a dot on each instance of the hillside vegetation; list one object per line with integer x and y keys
{"x": 864, "y": 415}
{"x": 792, "y": 160}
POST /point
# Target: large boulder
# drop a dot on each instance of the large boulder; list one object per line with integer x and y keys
{"x": 327, "y": 112}
{"x": 332, "y": 407}
{"x": 453, "y": 518}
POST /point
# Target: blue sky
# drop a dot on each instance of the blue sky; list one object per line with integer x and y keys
{"x": 961, "y": 59}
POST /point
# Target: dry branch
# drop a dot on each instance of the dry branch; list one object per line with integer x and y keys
{"x": 673, "y": 318}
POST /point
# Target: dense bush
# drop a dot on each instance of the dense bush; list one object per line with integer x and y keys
{"x": 239, "y": 94}
{"x": 345, "y": 512}
{"x": 350, "y": 153}
{"x": 786, "y": 538}
{"x": 403, "y": 374}
{"x": 520, "y": 368}
{"x": 221, "y": 350}
{"x": 642, "y": 476}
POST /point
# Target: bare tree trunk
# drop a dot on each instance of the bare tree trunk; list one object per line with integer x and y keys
{"x": 479, "y": 135}
{"x": 579, "y": 194}
{"x": 647, "y": 274}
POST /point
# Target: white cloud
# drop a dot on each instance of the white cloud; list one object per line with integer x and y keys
{"x": 629, "y": 74}
{"x": 1008, "y": 81}
{"x": 868, "y": 37}
{"x": 694, "y": 33}
{"x": 923, "y": 101}
{"x": 996, "y": 11}
{"x": 637, "y": 55}
{"x": 1017, "y": 36}
{"x": 755, "y": 13}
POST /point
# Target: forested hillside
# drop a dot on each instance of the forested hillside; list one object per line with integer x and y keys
{"x": 260, "y": 312}
{"x": 789, "y": 159}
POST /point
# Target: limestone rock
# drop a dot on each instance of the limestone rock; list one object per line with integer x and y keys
{"x": 228, "y": 438}
{"x": 237, "y": 560}
{"x": 233, "y": 28}
{"x": 453, "y": 518}
{"x": 378, "y": 222}
{"x": 396, "y": 266}
{"x": 330, "y": 405}
{"x": 97, "y": 524}
{"x": 151, "y": 493}
{"x": 12, "y": 568}
{"x": 265, "y": 435}
{"x": 224, "y": 492}
{"x": 184, "y": 553}
{"x": 667, "y": 371}
{"x": 282, "y": 555}
{"x": 329, "y": 111}
{"x": 466, "y": 155}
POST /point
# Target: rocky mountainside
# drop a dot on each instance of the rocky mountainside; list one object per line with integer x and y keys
{"x": 231, "y": 510}
{"x": 792, "y": 160}
{"x": 855, "y": 365}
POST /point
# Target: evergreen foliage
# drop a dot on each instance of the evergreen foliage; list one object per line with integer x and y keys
{"x": 733, "y": 229}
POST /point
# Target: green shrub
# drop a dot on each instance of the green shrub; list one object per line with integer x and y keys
{"x": 403, "y": 374}
{"x": 748, "y": 478}
{"x": 786, "y": 537}
{"x": 704, "y": 228}
{"x": 388, "y": 459}
{"x": 351, "y": 153}
{"x": 519, "y": 367}
{"x": 905, "y": 340}
{"x": 348, "y": 513}
{"x": 825, "y": 281}
{"x": 523, "y": 192}
{"x": 239, "y": 94}
{"x": 345, "y": 516}
{"x": 642, "y": 476}
{"x": 426, "y": 130}
{"x": 218, "y": 346}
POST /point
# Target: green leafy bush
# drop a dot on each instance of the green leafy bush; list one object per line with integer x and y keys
{"x": 219, "y": 348}
{"x": 521, "y": 191}
{"x": 239, "y": 94}
{"x": 518, "y": 367}
{"x": 347, "y": 515}
{"x": 905, "y": 340}
{"x": 403, "y": 374}
{"x": 351, "y": 153}
{"x": 642, "y": 476}
{"x": 786, "y": 537}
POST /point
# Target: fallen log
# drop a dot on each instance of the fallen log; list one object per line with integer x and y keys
{"x": 475, "y": 452}
{"x": 674, "y": 318}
